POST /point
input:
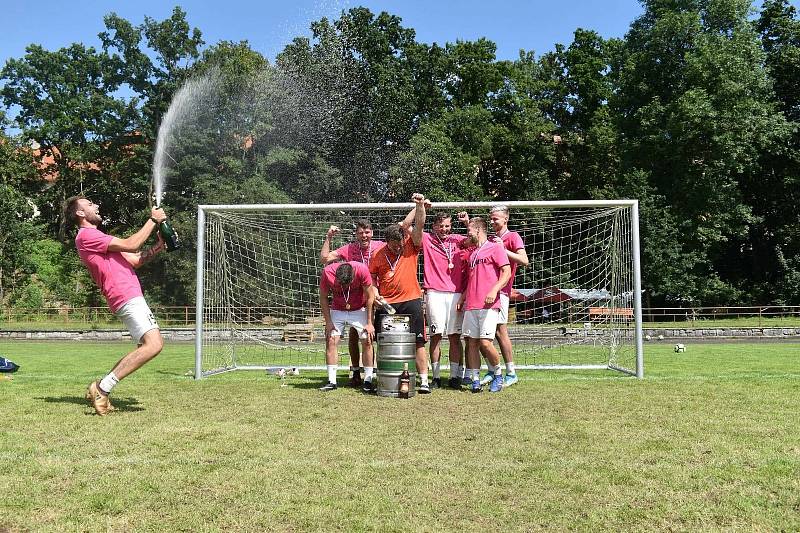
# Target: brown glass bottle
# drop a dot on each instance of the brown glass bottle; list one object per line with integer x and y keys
{"x": 405, "y": 382}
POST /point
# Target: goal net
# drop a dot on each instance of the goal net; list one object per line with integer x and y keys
{"x": 576, "y": 305}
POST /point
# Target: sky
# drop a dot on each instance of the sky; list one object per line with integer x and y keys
{"x": 269, "y": 25}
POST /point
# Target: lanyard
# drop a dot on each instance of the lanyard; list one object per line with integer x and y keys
{"x": 393, "y": 265}
{"x": 361, "y": 252}
{"x": 448, "y": 251}
{"x": 475, "y": 255}
{"x": 347, "y": 297}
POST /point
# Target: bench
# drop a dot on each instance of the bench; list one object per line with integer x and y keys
{"x": 609, "y": 312}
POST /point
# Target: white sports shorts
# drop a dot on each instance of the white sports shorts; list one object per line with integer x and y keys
{"x": 504, "y": 302}
{"x": 480, "y": 323}
{"x": 442, "y": 312}
{"x": 137, "y": 317}
{"x": 349, "y": 319}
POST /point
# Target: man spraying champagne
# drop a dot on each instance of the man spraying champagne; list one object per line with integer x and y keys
{"x": 112, "y": 262}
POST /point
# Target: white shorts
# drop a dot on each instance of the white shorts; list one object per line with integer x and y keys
{"x": 504, "y": 301}
{"x": 137, "y": 317}
{"x": 480, "y": 323}
{"x": 442, "y": 312}
{"x": 349, "y": 319}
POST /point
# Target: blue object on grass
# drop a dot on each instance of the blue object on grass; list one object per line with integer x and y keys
{"x": 7, "y": 365}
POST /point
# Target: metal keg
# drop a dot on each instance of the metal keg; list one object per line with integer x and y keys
{"x": 394, "y": 349}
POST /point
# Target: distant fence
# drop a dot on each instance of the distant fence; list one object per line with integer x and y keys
{"x": 54, "y": 318}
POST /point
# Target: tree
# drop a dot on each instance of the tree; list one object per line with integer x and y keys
{"x": 694, "y": 107}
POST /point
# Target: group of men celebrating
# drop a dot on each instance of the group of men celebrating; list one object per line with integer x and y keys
{"x": 467, "y": 282}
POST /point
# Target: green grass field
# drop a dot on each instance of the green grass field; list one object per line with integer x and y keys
{"x": 709, "y": 440}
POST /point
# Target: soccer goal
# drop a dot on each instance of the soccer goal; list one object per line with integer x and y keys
{"x": 577, "y": 305}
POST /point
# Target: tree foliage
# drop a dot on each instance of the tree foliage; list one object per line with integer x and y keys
{"x": 694, "y": 113}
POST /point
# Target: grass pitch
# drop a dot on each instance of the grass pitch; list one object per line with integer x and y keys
{"x": 709, "y": 440}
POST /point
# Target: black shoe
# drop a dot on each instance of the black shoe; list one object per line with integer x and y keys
{"x": 328, "y": 387}
{"x": 355, "y": 380}
{"x": 424, "y": 389}
{"x": 436, "y": 383}
{"x": 369, "y": 386}
{"x": 454, "y": 383}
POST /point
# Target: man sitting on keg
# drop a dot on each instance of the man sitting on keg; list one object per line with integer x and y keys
{"x": 351, "y": 307}
{"x": 488, "y": 272}
{"x": 394, "y": 270}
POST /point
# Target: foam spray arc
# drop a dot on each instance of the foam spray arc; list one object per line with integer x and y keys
{"x": 184, "y": 109}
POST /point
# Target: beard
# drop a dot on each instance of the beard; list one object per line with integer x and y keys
{"x": 94, "y": 219}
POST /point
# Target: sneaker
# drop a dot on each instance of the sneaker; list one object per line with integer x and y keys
{"x": 510, "y": 379}
{"x": 424, "y": 389}
{"x": 100, "y": 402}
{"x": 369, "y": 386}
{"x": 454, "y": 383}
{"x": 476, "y": 386}
{"x": 497, "y": 383}
{"x": 466, "y": 381}
{"x": 487, "y": 378}
{"x": 355, "y": 380}
{"x": 328, "y": 387}
{"x": 436, "y": 383}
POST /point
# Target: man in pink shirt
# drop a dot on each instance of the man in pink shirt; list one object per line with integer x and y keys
{"x": 111, "y": 262}
{"x": 515, "y": 250}
{"x": 350, "y": 286}
{"x": 444, "y": 276}
{"x": 488, "y": 272}
{"x": 361, "y": 249}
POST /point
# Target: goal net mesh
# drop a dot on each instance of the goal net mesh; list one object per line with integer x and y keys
{"x": 572, "y": 306}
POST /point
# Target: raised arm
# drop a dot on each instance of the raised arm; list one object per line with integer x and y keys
{"x": 326, "y": 255}
{"x": 419, "y": 219}
{"x": 137, "y": 240}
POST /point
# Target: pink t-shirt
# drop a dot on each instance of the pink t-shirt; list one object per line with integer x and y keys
{"x": 439, "y": 255}
{"x": 354, "y": 293}
{"x": 484, "y": 264}
{"x": 109, "y": 270}
{"x": 512, "y": 242}
{"x": 353, "y": 251}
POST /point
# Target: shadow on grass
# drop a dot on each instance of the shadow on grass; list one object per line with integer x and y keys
{"x": 121, "y": 404}
{"x": 315, "y": 384}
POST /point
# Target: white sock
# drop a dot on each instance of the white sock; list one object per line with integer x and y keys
{"x": 510, "y": 368}
{"x": 494, "y": 369}
{"x": 455, "y": 370}
{"x": 437, "y": 370}
{"x": 108, "y": 382}
{"x": 332, "y": 374}
{"x": 475, "y": 373}
{"x": 368, "y": 373}
{"x": 424, "y": 378}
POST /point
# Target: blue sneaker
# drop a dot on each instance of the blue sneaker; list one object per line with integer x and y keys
{"x": 497, "y": 383}
{"x": 487, "y": 378}
{"x": 510, "y": 379}
{"x": 476, "y": 386}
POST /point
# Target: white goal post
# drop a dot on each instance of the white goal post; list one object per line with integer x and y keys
{"x": 577, "y": 305}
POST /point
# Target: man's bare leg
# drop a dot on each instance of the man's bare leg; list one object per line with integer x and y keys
{"x": 98, "y": 391}
{"x": 355, "y": 357}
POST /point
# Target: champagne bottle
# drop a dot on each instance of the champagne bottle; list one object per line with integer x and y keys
{"x": 389, "y": 308}
{"x": 405, "y": 382}
{"x": 169, "y": 236}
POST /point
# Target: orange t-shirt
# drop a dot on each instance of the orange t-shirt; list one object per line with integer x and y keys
{"x": 403, "y": 285}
